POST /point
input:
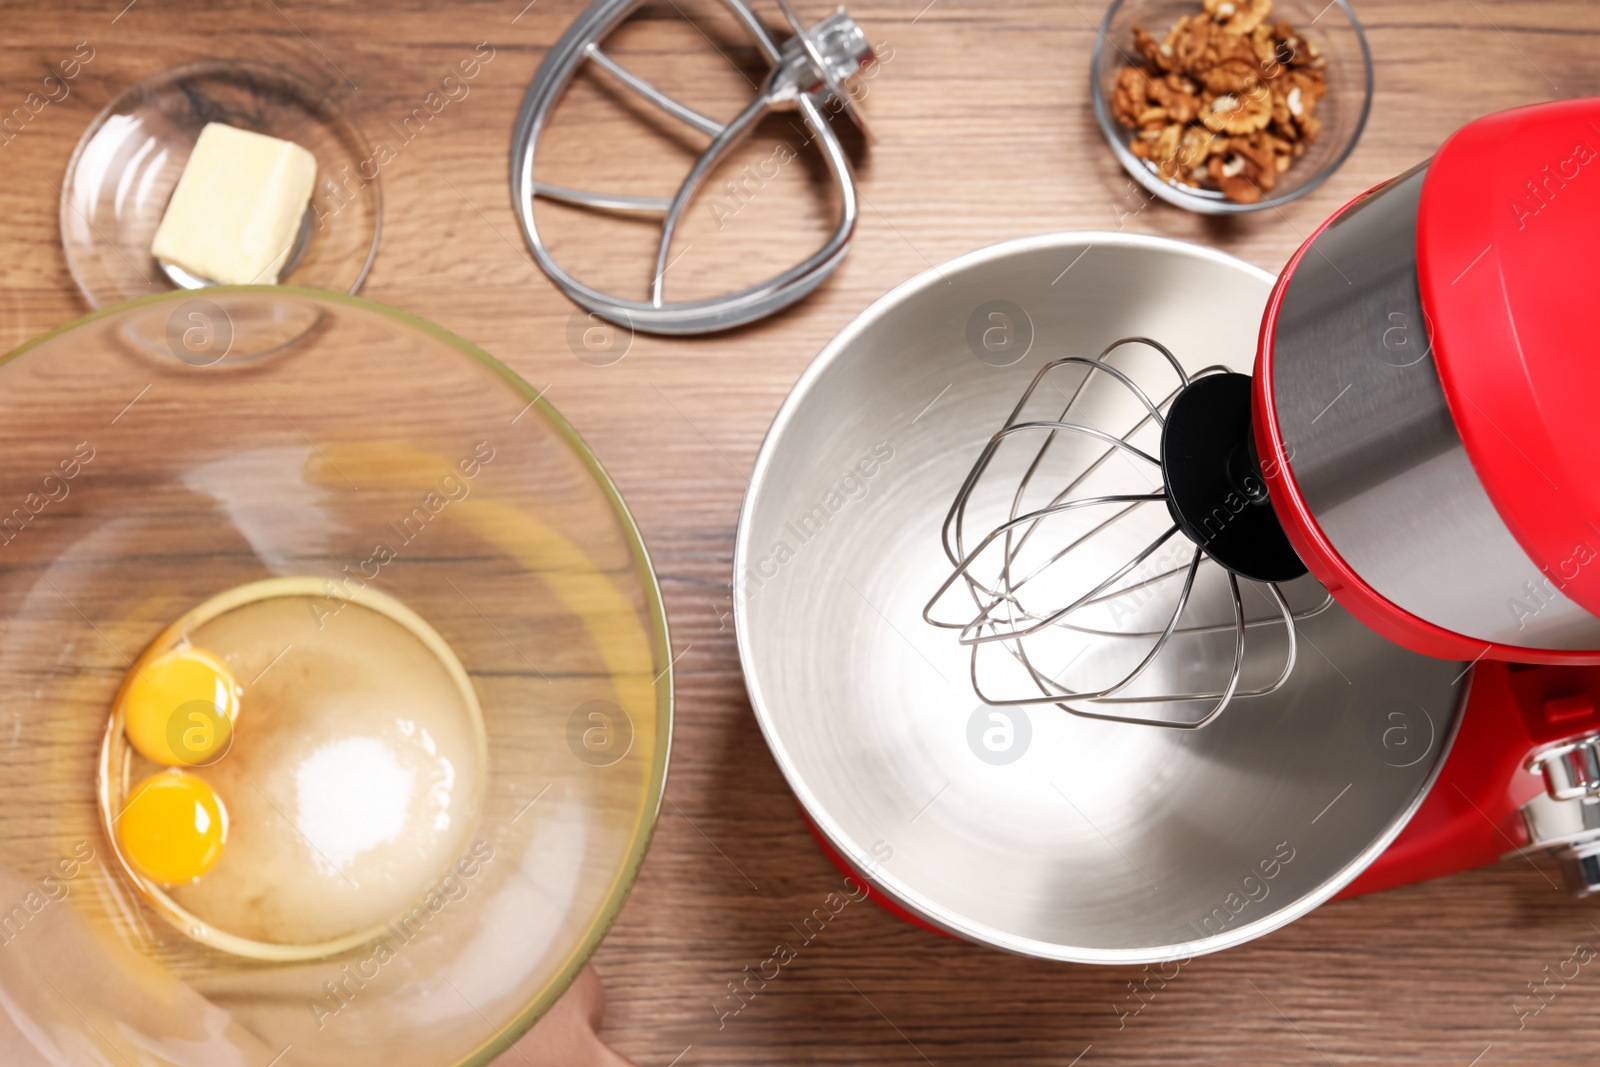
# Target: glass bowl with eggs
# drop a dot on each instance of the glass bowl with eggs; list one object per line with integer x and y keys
{"x": 336, "y": 688}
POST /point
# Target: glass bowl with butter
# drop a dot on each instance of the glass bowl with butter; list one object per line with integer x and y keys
{"x": 338, "y": 688}
{"x": 220, "y": 172}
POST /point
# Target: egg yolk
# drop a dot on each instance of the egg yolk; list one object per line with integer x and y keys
{"x": 173, "y": 828}
{"x": 179, "y": 708}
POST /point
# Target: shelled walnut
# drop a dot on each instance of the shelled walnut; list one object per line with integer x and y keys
{"x": 1226, "y": 101}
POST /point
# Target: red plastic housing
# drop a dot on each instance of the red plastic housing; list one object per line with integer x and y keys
{"x": 1470, "y": 817}
{"x": 1508, "y": 229}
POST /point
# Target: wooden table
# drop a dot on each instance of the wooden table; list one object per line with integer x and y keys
{"x": 985, "y": 134}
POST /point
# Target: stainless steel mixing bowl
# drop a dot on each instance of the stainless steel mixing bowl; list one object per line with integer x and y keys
{"x": 1030, "y": 829}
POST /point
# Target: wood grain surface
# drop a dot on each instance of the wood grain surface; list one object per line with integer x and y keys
{"x": 985, "y": 133}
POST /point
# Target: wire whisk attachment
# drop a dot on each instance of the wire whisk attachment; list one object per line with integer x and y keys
{"x": 1082, "y": 577}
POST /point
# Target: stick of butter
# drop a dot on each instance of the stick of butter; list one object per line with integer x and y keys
{"x": 236, "y": 213}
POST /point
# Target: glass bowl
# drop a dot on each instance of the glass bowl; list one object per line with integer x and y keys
{"x": 1329, "y": 24}
{"x": 130, "y": 158}
{"x": 166, "y": 451}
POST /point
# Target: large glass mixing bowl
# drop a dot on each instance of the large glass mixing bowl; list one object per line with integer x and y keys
{"x": 165, "y": 451}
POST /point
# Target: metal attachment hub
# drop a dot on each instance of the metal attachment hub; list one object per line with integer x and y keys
{"x": 1571, "y": 770}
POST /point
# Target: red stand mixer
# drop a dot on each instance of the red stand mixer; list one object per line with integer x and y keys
{"x": 1344, "y": 608}
{"x": 1418, "y": 435}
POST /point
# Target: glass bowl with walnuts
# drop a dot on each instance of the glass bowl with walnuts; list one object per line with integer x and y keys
{"x": 1228, "y": 106}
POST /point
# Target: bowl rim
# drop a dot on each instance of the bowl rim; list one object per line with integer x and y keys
{"x": 824, "y": 824}
{"x": 1113, "y": 131}
{"x": 616, "y": 895}
{"x": 228, "y": 67}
